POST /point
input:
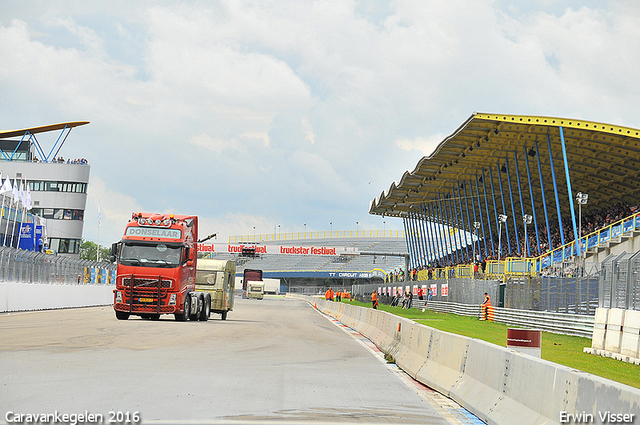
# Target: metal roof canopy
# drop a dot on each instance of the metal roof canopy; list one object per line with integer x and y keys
{"x": 30, "y": 134}
{"x": 603, "y": 159}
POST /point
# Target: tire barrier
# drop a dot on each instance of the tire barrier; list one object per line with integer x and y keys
{"x": 498, "y": 385}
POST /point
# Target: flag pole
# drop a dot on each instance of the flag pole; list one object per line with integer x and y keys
{"x": 99, "y": 224}
{"x": 6, "y": 229}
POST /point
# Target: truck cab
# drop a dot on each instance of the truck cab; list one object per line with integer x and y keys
{"x": 217, "y": 277}
{"x": 156, "y": 269}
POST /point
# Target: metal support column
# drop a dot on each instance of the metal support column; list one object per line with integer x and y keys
{"x": 504, "y": 209}
{"x": 475, "y": 220}
{"x": 486, "y": 204}
{"x": 466, "y": 234}
{"x": 451, "y": 240}
{"x": 544, "y": 201}
{"x": 513, "y": 208}
{"x": 432, "y": 212}
{"x": 455, "y": 211}
{"x": 526, "y": 242}
{"x": 484, "y": 235}
{"x": 555, "y": 190}
{"x": 533, "y": 204}
{"x": 571, "y": 207}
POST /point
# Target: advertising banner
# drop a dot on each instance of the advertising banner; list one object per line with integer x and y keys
{"x": 25, "y": 240}
{"x": 277, "y": 249}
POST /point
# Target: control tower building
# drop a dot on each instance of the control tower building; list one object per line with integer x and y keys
{"x": 58, "y": 186}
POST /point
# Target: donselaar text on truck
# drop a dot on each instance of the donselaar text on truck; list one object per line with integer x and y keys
{"x": 156, "y": 274}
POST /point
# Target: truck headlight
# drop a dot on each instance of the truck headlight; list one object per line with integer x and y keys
{"x": 172, "y": 299}
{"x": 118, "y": 296}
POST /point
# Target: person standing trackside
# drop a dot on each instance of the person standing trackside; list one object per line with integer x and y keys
{"x": 410, "y": 295}
{"x": 329, "y": 295}
{"x": 485, "y": 307}
{"x": 374, "y": 299}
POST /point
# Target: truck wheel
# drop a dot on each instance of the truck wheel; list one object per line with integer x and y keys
{"x": 196, "y": 315}
{"x": 224, "y": 315}
{"x": 187, "y": 307}
{"x": 154, "y": 316}
{"x": 206, "y": 308}
{"x": 121, "y": 315}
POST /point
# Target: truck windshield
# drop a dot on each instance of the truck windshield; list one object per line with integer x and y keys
{"x": 150, "y": 255}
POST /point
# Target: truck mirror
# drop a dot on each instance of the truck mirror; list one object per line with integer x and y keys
{"x": 189, "y": 263}
{"x": 186, "y": 254}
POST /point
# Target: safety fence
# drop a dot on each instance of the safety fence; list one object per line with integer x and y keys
{"x": 568, "y": 295}
{"x": 571, "y": 295}
{"x": 620, "y": 282}
{"x": 17, "y": 265}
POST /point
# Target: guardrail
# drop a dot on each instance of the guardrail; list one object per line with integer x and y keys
{"x": 569, "y": 324}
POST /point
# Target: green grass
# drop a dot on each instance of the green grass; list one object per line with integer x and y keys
{"x": 562, "y": 349}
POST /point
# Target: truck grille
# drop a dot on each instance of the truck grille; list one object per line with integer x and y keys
{"x": 139, "y": 282}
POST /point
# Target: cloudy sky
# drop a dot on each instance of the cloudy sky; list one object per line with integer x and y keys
{"x": 266, "y": 113}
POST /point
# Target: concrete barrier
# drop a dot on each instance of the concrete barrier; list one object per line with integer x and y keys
{"x": 499, "y": 385}
{"x": 16, "y": 296}
{"x": 599, "y": 328}
{"x": 413, "y": 347}
{"x": 613, "y": 336}
{"x": 446, "y": 359}
{"x": 630, "y": 345}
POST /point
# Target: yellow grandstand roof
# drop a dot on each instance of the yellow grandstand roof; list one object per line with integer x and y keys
{"x": 604, "y": 161}
{"x": 5, "y": 134}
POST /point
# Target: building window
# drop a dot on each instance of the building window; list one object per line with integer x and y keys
{"x": 64, "y": 246}
{"x": 49, "y": 186}
{"x": 58, "y": 213}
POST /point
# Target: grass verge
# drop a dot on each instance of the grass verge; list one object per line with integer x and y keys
{"x": 562, "y": 349}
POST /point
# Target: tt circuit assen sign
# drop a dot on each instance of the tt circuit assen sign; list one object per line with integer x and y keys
{"x": 277, "y": 249}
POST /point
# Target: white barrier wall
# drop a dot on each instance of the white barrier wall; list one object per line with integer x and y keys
{"x": 499, "y": 385}
{"x": 34, "y": 296}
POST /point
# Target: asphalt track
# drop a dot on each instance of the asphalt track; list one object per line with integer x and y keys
{"x": 271, "y": 360}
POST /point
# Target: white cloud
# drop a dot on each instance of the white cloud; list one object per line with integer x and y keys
{"x": 425, "y": 146}
{"x": 279, "y": 106}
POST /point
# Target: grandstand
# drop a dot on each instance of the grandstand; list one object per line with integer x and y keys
{"x": 523, "y": 185}
{"x": 347, "y": 264}
{"x": 552, "y": 203}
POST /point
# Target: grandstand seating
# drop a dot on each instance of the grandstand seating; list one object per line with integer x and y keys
{"x": 346, "y": 263}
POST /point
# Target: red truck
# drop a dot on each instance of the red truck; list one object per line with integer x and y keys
{"x": 157, "y": 269}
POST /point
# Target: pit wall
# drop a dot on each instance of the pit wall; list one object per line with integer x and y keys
{"x": 498, "y": 385}
{"x": 36, "y": 296}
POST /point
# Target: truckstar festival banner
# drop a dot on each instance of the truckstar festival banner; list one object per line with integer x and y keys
{"x": 277, "y": 249}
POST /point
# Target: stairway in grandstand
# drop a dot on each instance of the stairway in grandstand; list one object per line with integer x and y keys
{"x": 621, "y": 237}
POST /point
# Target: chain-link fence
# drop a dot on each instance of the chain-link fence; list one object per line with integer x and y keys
{"x": 575, "y": 295}
{"x": 17, "y": 265}
{"x": 458, "y": 290}
{"x": 620, "y": 282}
